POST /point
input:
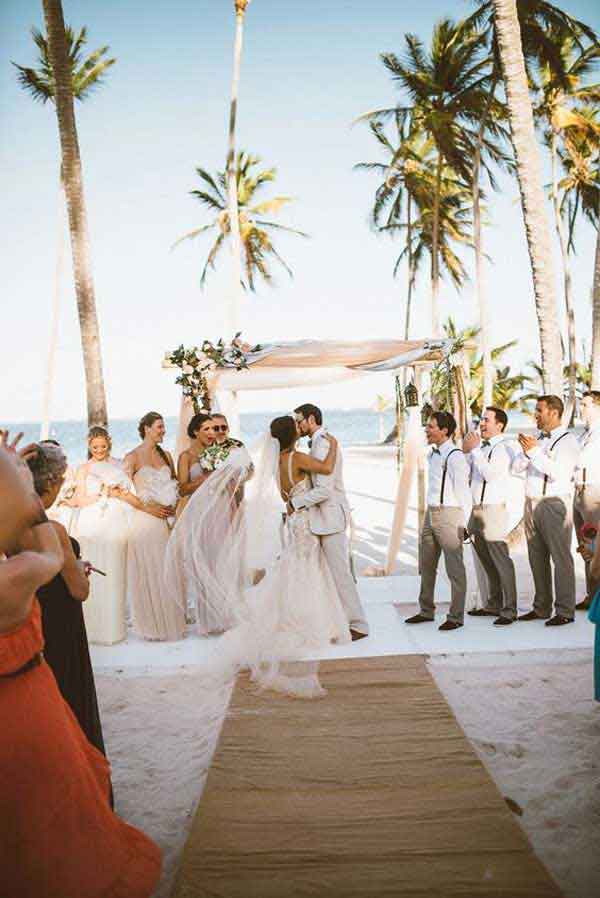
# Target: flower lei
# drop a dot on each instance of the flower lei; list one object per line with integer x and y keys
{"x": 197, "y": 361}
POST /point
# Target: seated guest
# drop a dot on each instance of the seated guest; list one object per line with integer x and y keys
{"x": 60, "y": 838}
{"x": 490, "y": 460}
{"x": 548, "y": 462}
{"x": 102, "y": 529}
{"x": 448, "y": 510}
{"x": 65, "y": 640}
{"x": 586, "y": 504}
{"x": 190, "y": 472}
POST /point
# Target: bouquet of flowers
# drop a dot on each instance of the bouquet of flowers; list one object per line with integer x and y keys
{"x": 197, "y": 361}
{"x": 216, "y": 455}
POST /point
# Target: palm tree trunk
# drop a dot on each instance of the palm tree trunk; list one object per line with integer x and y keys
{"x": 234, "y": 221}
{"x": 411, "y": 272}
{"x": 596, "y": 317}
{"x": 529, "y": 171}
{"x": 482, "y": 300}
{"x": 435, "y": 257}
{"x": 564, "y": 252}
{"x": 72, "y": 174}
{"x": 58, "y": 276}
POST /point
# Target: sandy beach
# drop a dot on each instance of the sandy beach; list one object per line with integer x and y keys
{"x": 522, "y": 695}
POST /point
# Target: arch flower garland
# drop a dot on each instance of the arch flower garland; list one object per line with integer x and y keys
{"x": 195, "y": 363}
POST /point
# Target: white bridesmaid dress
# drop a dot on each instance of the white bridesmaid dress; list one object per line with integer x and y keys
{"x": 102, "y": 530}
{"x": 156, "y": 613}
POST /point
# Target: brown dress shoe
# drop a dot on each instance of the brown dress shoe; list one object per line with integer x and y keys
{"x": 531, "y": 615}
{"x": 449, "y": 625}
{"x": 356, "y": 635}
{"x": 418, "y": 619}
{"x": 482, "y": 612}
{"x": 559, "y": 621}
{"x": 584, "y": 604}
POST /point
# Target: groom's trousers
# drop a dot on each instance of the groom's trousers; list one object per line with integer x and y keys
{"x": 337, "y": 553}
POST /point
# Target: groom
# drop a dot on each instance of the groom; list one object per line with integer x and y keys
{"x": 329, "y": 515}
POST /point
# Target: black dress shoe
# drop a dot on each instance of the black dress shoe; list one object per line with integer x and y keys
{"x": 418, "y": 619}
{"x": 449, "y": 625}
{"x": 531, "y": 615}
{"x": 356, "y": 635}
{"x": 503, "y": 621}
{"x": 584, "y": 604}
{"x": 558, "y": 621}
{"x": 482, "y": 612}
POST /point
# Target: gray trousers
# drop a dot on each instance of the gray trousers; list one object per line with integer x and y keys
{"x": 586, "y": 510}
{"x": 337, "y": 553}
{"x": 443, "y": 533}
{"x": 549, "y": 530}
{"x": 488, "y": 526}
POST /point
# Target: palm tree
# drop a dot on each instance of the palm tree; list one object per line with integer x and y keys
{"x": 558, "y": 89}
{"x": 595, "y": 379}
{"x": 449, "y": 90}
{"x": 87, "y": 73}
{"x": 254, "y": 228}
{"x": 529, "y": 173}
{"x": 236, "y": 245}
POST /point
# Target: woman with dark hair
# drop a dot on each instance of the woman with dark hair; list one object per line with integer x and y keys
{"x": 189, "y": 470}
{"x": 101, "y": 526}
{"x": 156, "y": 615}
{"x": 66, "y": 645}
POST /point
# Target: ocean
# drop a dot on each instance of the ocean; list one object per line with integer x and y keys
{"x": 350, "y": 427}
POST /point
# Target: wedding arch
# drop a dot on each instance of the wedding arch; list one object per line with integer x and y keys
{"x": 214, "y": 373}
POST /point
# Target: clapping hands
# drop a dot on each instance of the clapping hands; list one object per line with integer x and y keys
{"x": 527, "y": 443}
{"x": 471, "y": 441}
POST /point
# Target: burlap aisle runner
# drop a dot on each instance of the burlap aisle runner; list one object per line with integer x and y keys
{"x": 371, "y": 791}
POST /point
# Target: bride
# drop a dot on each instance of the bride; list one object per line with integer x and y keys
{"x": 266, "y": 579}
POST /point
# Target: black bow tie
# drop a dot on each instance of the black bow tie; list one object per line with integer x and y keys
{"x": 543, "y": 435}
{"x": 310, "y": 444}
{"x": 436, "y": 452}
{"x": 485, "y": 444}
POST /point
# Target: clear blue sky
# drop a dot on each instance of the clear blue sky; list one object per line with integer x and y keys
{"x": 308, "y": 70}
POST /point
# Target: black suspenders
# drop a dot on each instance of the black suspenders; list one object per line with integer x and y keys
{"x": 445, "y": 471}
{"x": 485, "y": 481}
{"x": 555, "y": 443}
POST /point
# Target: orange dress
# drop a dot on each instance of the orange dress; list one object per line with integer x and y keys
{"x": 58, "y": 835}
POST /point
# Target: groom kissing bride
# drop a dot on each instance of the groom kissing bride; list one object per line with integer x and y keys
{"x": 329, "y": 515}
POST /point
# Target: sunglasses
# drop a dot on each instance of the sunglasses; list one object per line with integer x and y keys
{"x": 220, "y": 428}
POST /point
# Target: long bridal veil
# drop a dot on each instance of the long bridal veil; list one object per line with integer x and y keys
{"x": 229, "y": 555}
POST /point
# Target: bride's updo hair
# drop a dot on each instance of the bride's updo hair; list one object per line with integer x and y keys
{"x": 196, "y": 423}
{"x": 147, "y": 421}
{"x": 284, "y": 430}
{"x": 99, "y": 432}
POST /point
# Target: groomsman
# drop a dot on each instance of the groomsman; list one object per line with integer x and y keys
{"x": 549, "y": 462}
{"x": 448, "y": 510}
{"x": 490, "y": 460}
{"x": 586, "y": 505}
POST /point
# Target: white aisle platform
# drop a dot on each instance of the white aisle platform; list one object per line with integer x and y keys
{"x": 389, "y": 634}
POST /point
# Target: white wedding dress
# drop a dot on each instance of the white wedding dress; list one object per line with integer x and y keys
{"x": 267, "y": 582}
{"x": 156, "y": 614}
{"x": 102, "y": 530}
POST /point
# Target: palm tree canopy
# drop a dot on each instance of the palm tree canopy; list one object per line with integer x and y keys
{"x": 255, "y": 228}
{"x": 87, "y": 72}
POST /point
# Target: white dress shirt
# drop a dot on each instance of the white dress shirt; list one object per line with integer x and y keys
{"x": 550, "y": 465}
{"x": 456, "y": 486}
{"x": 490, "y": 472}
{"x": 588, "y": 466}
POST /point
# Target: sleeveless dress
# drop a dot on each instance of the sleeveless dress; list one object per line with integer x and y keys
{"x": 66, "y": 651}
{"x": 311, "y": 614}
{"x": 60, "y": 838}
{"x": 156, "y": 613}
{"x": 102, "y": 530}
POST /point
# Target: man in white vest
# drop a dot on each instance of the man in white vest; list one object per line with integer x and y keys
{"x": 329, "y": 516}
{"x": 548, "y": 462}
{"x": 586, "y": 505}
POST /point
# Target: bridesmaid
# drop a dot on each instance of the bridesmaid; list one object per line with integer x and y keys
{"x": 66, "y": 646}
{"x": 189, "y": 470}
{"x": 102, "y": 529}
{"x": 156, "y": 614}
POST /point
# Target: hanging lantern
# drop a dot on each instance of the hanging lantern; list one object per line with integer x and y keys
{"x": 411, "y": 396}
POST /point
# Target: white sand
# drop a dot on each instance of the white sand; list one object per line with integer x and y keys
{"x": 523, "y": 696}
